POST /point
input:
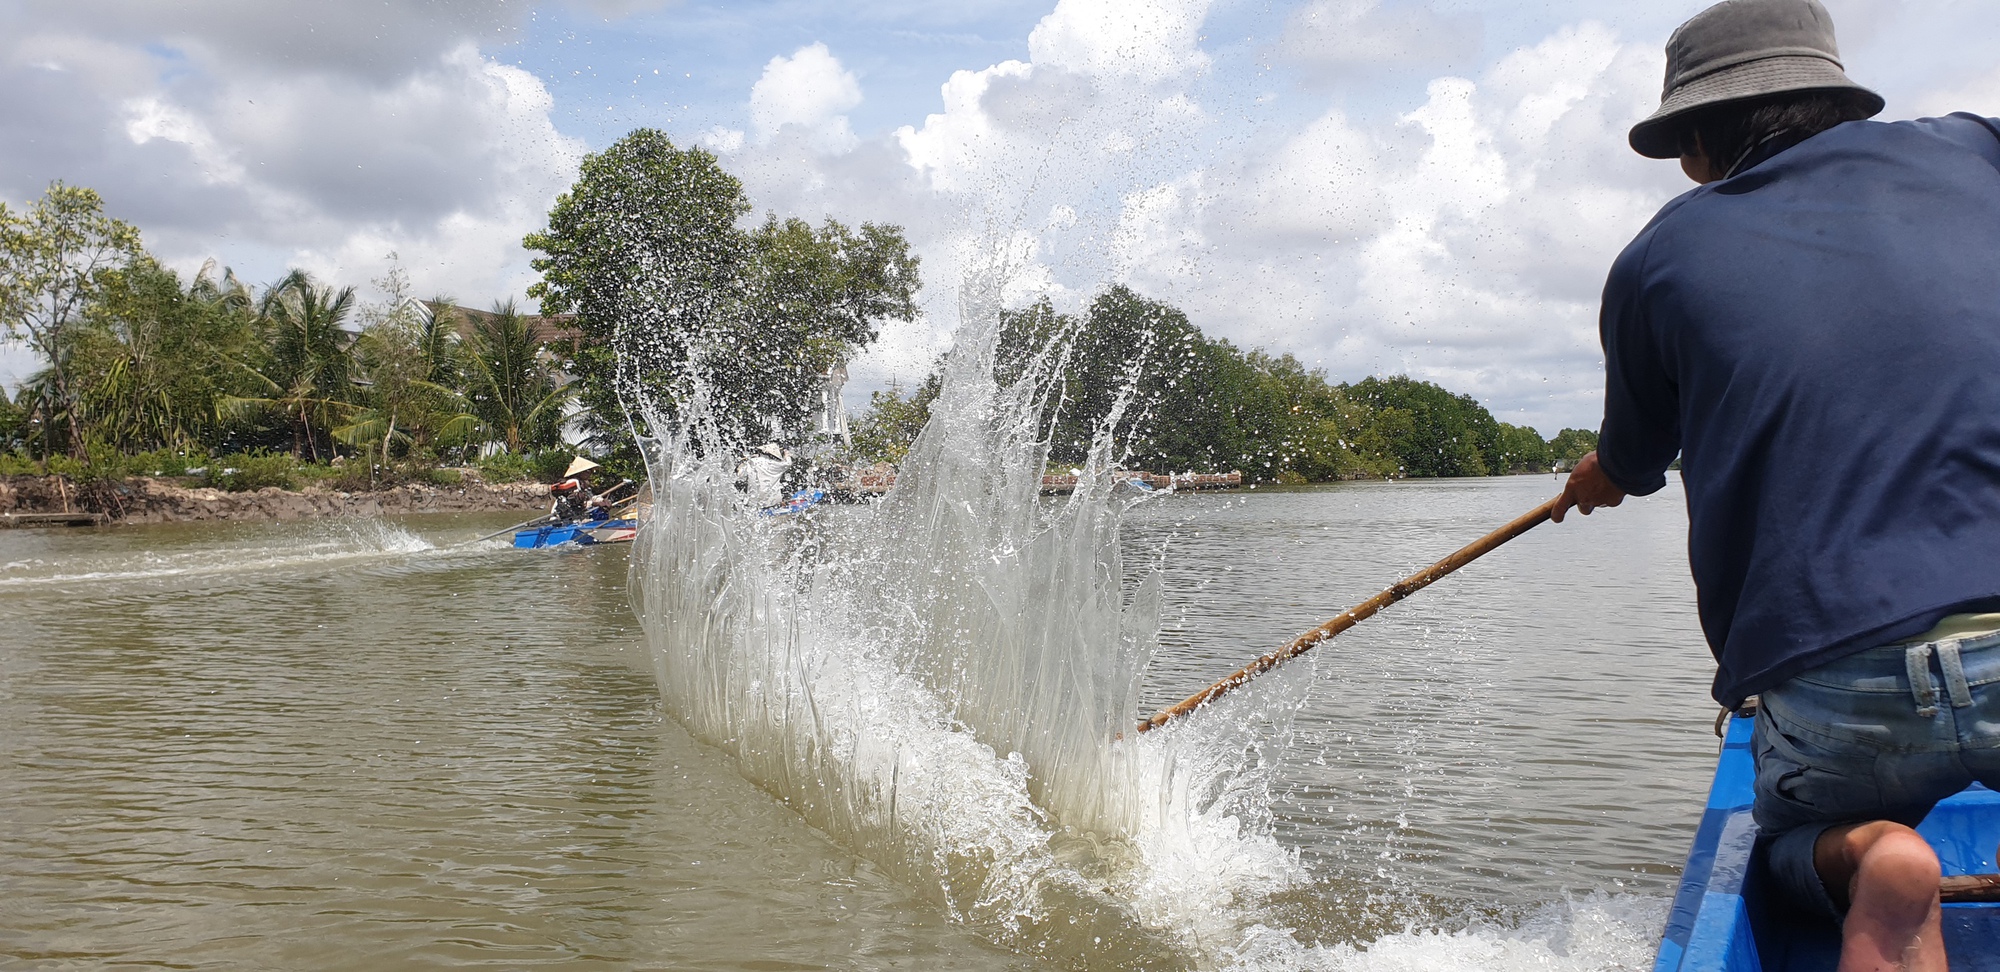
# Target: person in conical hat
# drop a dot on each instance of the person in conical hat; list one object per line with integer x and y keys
{"x": 573, "y": 493}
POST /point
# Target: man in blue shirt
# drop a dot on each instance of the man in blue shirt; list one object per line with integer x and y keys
{"x": 1815, "y": 331}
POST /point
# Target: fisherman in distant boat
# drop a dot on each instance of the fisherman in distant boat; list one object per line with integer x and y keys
{"x": 762, "y": 475}
{"x": 574, "y": 499}
{"x": 1814, "y": 331}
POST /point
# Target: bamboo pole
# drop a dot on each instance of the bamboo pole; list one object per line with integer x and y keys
{"x": 1970, "y": 887}
{"x": 1354, "y": 615}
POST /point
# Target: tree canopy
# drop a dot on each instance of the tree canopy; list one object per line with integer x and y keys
{"x": 1175, "y": 400}
{"x": 671, "y": 298}
{"x": 54, "y": 260}
{"x": 675, "y": 303}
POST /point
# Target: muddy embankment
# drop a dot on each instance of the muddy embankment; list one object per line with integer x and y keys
{"x": 148, "y": 500}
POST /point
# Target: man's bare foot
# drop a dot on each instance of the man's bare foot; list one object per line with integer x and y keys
{"x": 1891, "y": 878}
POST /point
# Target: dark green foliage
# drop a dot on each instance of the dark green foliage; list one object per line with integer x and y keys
{"x": 1428, "y": 430}
{"x": 54, "y": 259}
{"x": 13, "y": 424}
{"x": 885, "y": 432}
{"x": 512, "y": 382}
{"x": 548, "y": 465}
{"x": 1571, "y": 445}
{"x": 670, "y": 296}
{"x": 306, "y": 377}
{"x": 1197, "y": 404}
{"x": 505, "y": 467}
{"x": 810, "y": 299}
{"x": 644, "y": 250}
{"x": 1521, "y": 450}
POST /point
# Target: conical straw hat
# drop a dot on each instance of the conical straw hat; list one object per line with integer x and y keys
{"x": 581, "y": 465}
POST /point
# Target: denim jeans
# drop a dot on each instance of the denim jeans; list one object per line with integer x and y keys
{"x": 1883, "y": 734}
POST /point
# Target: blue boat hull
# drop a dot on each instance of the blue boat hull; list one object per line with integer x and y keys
{"x": 1725, "y": 918}
{"x": 582, "y": 533}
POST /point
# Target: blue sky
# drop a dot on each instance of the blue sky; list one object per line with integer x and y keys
{"x": 1433, "y": 188}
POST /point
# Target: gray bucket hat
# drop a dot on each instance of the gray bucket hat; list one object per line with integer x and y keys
{"x": 1741, "y": 49}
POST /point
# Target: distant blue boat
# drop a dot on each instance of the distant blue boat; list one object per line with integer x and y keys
{"x": 578, "y": 533}
{"x": 800, "y": 502}
{"x": 1724, "y": 918}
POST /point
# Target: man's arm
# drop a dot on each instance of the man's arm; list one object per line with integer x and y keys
{"x": 1641, "y": 431}
{"x": 1586, "y": 489}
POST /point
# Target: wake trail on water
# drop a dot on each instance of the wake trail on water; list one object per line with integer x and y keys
{"x": 947, "y": 682}
{"x": 318, "y": 546}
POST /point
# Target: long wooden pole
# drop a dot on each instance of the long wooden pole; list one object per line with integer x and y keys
{"x": 1354, "y": 615}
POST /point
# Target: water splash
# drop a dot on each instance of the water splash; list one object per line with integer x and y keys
{"x": 943, "y": 681}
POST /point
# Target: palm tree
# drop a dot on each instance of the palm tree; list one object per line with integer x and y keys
{"x": 403, "y": 355}
{"x": 309, "y": 379}
{"x": 437, "y": 340}
{"x": 514, "y": 387}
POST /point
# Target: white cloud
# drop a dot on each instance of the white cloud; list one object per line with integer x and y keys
{"x": 809, "y": 89}
{"x": 956, "y": 147}
{"x": 449, "y": 164}
{"x": 1360, "y": 182}
{"x": 1151, "y": 41}
{"x": 723, "y": 140}
{"x": 1463, "y": 242}
{"x": 1157, "y": 231}
{"x": 148, "y": 118}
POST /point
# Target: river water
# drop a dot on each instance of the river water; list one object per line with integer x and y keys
{"x": 360, "y": 745}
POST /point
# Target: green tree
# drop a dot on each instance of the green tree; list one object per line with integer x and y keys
{"x": 398, "y": 355}
{"x": 1571, "y": 445}
{"x": 438, "y": 341}
{"x": 1121, "y": 368}
{"x": 513, "y": 383}
{"x": 155, "y": 358}
{"x": 13, "y": 423}
{"x": 1301, "y": 422}
{"x": 644, "y": 250}
{"x": 810, "y": 300}
{"x": 892, "y": 423}
{"x": 53, "y": 261}
{"x": 670, "y": 296}
{"x": 1190, "y": 403}
{"x": 1521, "y": 449}
{"x": 1427, "y": 430}
{"x": 308, "y": 374}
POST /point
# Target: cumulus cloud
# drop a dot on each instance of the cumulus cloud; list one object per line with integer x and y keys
{"x": 810, "y": 90}
{"x": 1151, "y": 41}
{"x": 447, "y": 158}
{"x": 1463, "y": 242}
{"x": 1377, "y": 187}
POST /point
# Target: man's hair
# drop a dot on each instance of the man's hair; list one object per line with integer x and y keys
{"x": 1729, "y": 130}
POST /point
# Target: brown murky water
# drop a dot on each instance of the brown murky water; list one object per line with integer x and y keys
{"x": 353, "y": 745}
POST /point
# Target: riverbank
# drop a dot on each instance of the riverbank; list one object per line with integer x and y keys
{"x": 145, "y": 499}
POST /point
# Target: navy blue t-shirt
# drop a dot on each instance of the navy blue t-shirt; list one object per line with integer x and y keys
{"x": 1818, "y": 338}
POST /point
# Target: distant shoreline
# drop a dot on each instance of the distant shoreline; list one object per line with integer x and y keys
{"x": 145, "y": 499}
